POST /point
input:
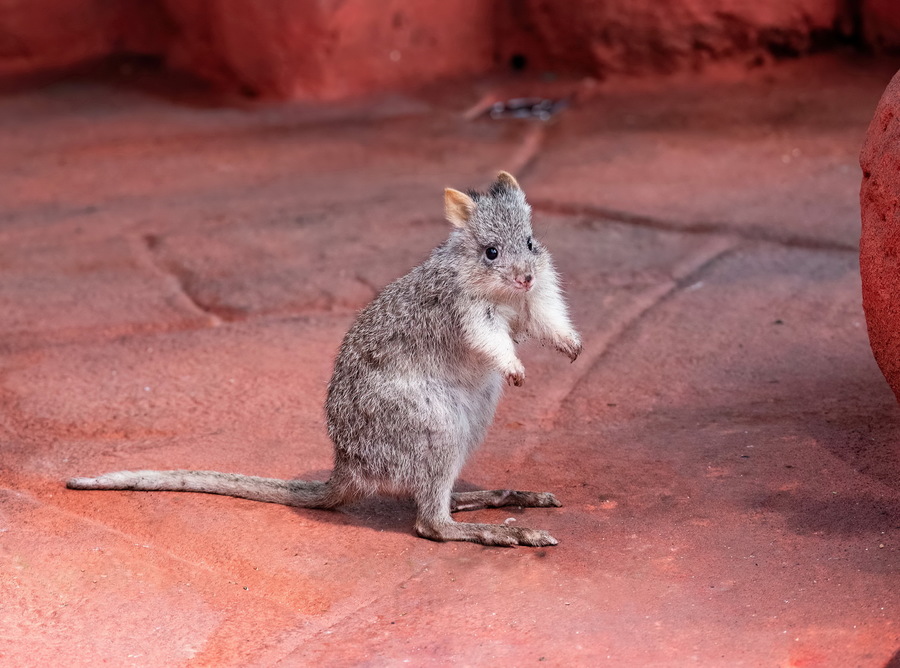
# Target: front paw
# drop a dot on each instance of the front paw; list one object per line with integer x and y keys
{"x": 515, "y": 374}
{"x": 570, "y": 346}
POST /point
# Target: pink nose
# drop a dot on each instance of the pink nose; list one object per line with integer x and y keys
{"x": 524, "y": 281}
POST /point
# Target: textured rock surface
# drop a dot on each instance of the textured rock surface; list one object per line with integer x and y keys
{"x": 639, "y": 36}
{"x": 174, "y": 281}
{"x": 294, "y": 48}
{"x": 323, "y": 50}
{"x": 282, "y": 48}
{"x": 57, "y": 34}
{"x": 879, "y": 255}
{"x": 881, "y": 24}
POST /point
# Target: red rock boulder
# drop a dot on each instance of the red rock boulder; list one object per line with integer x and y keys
{"x": 325, "y": 50}
{"x": 879, "y": 254}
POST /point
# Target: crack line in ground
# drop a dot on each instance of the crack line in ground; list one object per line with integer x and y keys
{"x": 148, "y": 242}
{"x": 638, "y": 220}
{"x": 133, "y": 541}
{"x": 684, "y": 275}
{"x": 313, "y": 631}
{"x": 522, "y": 160}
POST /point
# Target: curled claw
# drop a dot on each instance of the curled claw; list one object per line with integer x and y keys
{"x": 571, "y": 348}
{"x": 515, "y": 375}
{"x": 516, "y": 378}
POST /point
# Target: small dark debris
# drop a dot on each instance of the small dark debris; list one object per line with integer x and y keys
{"x": 540, "y": 108}
{"x": 778, "y": 322}
{"x": 518, "y": 62}
{"x": 249, "y": 92}
{"x": 756, "y": 61}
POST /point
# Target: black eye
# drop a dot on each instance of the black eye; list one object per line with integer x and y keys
{"x": 491, "y": 253}
{"x": 530, "y": 244}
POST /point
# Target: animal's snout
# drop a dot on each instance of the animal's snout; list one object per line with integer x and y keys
{"x": 524, "y": 281}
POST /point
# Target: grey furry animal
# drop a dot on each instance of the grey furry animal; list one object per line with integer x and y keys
{"x": 419, "y": 375}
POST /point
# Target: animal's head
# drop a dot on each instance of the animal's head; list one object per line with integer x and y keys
{"x": 493, "y": 232}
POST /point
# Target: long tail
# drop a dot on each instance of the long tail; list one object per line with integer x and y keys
{"x": 271, "y": 490}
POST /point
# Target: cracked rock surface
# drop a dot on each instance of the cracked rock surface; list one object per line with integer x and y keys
{"x": 175, "y": 281}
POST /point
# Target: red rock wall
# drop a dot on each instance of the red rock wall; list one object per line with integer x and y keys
{"x": 297, "y": 48}
{"x": 330, "y": 48}
{"x": 879, "y": 254}
{"x": 641, "y": 36}
{"x": 38, "y": 35}
{"x": 881, "y": 24}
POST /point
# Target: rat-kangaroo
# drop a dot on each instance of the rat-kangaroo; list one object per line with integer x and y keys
{"x": 418, "y": 377}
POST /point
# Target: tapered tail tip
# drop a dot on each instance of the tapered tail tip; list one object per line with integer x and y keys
{"x": 82, "y": 483}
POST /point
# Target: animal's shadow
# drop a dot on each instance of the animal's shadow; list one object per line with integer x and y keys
{"x": 384, "y": 513}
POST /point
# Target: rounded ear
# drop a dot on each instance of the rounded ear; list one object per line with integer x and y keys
{"x": 458, "y": 207}
{"x": 507, "y": 179}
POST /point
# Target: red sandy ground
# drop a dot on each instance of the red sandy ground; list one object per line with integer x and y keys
{"x": 175, "y": 280}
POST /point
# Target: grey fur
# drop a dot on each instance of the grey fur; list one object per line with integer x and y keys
{"x": 419, "y": 375}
